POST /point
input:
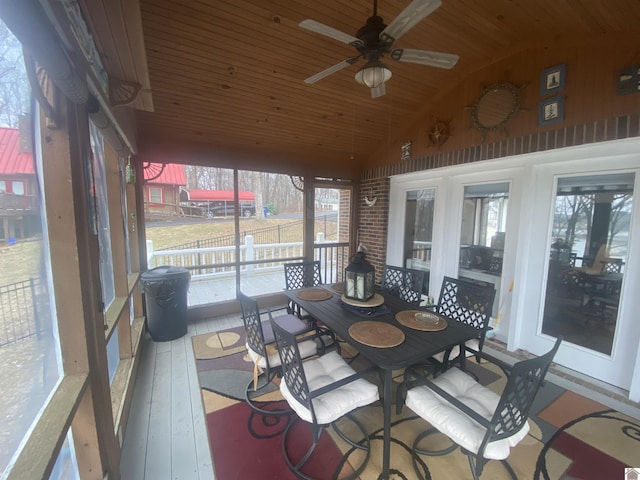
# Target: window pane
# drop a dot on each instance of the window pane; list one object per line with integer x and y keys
{"x": 155, "y": 195}
{"x": 269, "y": 239}
{"x": 587, "y": 259}
{"x": 29, "y": 347}
{"x": 195, "y": 228}
{"x": 101, "y": 204}
{"x": 331, "y": 232}
{"x": 113, "y": 354}
{"x": 66, "y": 467}
{"x": 418, "y": 235}
{"x": 17, "y": 188}
{"x": 482, "y": 235}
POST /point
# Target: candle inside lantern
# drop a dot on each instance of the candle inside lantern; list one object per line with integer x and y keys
{"x": 350, "y": 291}
{"x": 360, "y": 287}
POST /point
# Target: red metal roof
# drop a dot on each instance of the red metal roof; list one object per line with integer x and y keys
{"x": 203, "y": 195}
{"x": 12, "y": 160}
{"x": 172, "y": 174}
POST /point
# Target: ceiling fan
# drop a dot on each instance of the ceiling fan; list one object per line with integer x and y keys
{"x": 375, "y": 39}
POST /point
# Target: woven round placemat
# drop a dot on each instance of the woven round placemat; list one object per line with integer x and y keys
{"x": 338, "y": 287}
{"x": 376, "y": 334}
{"x": 374, "y": 301}
{"x": 408, "y": 319}
{"x": 314, "y": 294}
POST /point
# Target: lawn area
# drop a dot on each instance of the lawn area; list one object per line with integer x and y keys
{"x": 21, "y": 261}
{"x": 168, "y": 235}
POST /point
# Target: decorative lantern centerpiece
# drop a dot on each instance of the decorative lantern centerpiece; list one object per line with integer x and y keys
{"x": 360, "y": 277}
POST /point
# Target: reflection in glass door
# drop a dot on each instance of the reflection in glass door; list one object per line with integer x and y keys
{"x": 418, "y": 236}
{"x": 587, "y": 258}
{"x": 482, "y": 234}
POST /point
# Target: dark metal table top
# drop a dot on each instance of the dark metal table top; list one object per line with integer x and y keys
{"x": 417, "y": 346}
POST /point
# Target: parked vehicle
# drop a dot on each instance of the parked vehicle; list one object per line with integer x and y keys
{"x": 219, "y": 203}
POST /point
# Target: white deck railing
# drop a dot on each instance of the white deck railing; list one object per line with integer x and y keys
{"x": 220, "y": 261}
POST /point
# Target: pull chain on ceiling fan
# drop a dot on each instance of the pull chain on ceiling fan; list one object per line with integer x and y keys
{"x": 375, "y": 39}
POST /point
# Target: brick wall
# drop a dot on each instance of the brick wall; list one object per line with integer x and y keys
{"x": 372, "y": 225}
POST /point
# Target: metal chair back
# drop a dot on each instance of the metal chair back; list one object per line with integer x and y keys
{"x": 405, "y": 283}
{"x": 467, "y": 302}
{"x": 302, "y": 274}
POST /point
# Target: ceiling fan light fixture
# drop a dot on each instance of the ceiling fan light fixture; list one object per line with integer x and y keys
{"x": 373, "y": 74}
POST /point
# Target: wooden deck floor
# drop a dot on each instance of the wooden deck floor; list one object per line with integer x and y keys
{"x": 166, "y": 437}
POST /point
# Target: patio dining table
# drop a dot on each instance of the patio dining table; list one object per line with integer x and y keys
{"x": 417, "y": 345}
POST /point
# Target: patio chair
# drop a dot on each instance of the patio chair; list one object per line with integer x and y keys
{"x": 322, "y": 391}
{"x": 404, "y": 283}
{"x": 482, "y": 423}
{"x": 262, "y": 351}
{"x": 467, "y": 302}
{"x": 301, "y": 275}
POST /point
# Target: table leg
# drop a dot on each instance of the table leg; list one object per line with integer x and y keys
{"x": 386, "y": 412}
{"x": 463, "y": 357}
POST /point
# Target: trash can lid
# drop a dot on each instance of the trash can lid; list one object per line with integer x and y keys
{"x": 165, "y": 272}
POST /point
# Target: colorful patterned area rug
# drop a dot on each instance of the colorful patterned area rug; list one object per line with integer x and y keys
{"x": 571, "y": 436}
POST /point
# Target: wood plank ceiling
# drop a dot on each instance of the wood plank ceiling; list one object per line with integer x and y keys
{"x": 228, "y": 76}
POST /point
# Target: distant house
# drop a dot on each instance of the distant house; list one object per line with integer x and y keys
{"x": 19, "y": 197}
{"x": 162, "y": 184}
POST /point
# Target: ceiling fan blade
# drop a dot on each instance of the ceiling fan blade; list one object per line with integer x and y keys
{"x": 408, "y": 18}
{"x": 425, "y": 57}
{"x": 333, "y": 69}
{"x": 378, "y": 91}
{"x": 323, "y": 29}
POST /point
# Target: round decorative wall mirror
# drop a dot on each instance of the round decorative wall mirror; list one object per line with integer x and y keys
{"x": 495, "y": 107}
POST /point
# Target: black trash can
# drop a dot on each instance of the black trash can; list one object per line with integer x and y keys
{"x": 165, "y": 291}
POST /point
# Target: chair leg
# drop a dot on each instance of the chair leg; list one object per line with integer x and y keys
{"x": 477, "y": 466}
{"x": 509, "y": 469}
{"x": 267, "y": 380}
{"x": 415, "y": 451}
{"x": 316, "y": 432}
{"x": 431, "y": 453}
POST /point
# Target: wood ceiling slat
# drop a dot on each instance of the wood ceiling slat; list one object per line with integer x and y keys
{"x": 116, "y": 27}
{"x": 230, "y": 73}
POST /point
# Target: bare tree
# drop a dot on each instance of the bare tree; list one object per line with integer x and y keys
{"x": 14, "y": 85}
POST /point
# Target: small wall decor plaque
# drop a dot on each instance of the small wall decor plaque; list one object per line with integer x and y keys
{"x": 551, "y": 110}
{"x": 406, "y": 150}
{"x": 552, "y": 80}
{"x": 628, "y": 81}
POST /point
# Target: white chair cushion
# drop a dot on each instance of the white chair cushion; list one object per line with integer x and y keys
{"x": 307, "y": 348}
{"x": 455, "y": 351}
{"x": 453, "y": 422}
{"x": 332, "y": 405}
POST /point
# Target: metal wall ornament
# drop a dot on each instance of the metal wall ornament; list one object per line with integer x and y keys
{"x": 439, "y": 133}
{"x": 495, "y": 107}
{"x": 298, "y": 182}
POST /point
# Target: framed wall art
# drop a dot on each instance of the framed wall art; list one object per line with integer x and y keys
{"x": 552, "y": 80}
{"x": 628, "y": 81}
{"x": 551, "y": 110}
